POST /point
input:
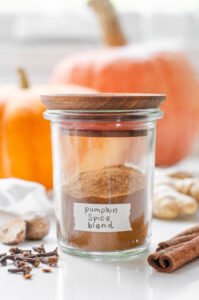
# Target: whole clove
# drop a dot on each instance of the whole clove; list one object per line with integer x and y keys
{"x": 25, "y": 270}
{"x": 19, "y": 251}
{"x": 4, "y": 259}
{"x": 19, "y": 263}
{"x": 51, "y": 260}
{"x": 15, "y": 250}
{"x": 26, "y": 253}
{"x": 40, "y": 249}
{"x": 16, "y": 270}
{"x": 22, "y": 258}
{"x": 47, "y": 254}
{"x": 3, "y": 254}
{"x": 35, "y": 261}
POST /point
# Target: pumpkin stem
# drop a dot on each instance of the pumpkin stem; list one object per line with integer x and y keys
{"x": 23, "y": 79}
{"x": 109, "y": 23}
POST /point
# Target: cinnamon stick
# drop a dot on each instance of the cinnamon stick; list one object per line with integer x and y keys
{"x": 176, "y": 252}
{"x": 176, "y": 241}
{"x": 194, "y": 229}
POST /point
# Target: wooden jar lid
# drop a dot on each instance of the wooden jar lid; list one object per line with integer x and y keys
{"x": 102, "y": 101}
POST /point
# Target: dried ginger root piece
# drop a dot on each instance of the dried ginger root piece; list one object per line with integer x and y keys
{"x": 169, "y": 203}
{"x": 185, "y": 185}
{"x": 181, "y": 189}
{"x": 13, "y": 232}
{"x": 184, "y": 181}
{"x": 188, "y": 186}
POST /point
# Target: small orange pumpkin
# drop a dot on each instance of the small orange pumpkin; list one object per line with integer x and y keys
{"x": 25, "y": 143}
{"x": 127, "y": 69}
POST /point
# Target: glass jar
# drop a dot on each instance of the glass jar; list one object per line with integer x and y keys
{"x": 103, "y": 159}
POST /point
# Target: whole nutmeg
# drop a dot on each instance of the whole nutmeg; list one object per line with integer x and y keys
{"x": 37, "y": 225}
{"x": 13, "y": 232}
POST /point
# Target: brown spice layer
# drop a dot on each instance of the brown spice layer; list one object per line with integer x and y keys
{"x": 109, "y": 182}
{"x": 174, "y": 253}
{"x": 106, "y": 241}
{"x": 113, "y": 185}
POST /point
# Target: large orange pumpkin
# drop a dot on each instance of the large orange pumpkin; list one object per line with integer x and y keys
{"x": 139, "y": 69}
{"x": 25, "y": 144}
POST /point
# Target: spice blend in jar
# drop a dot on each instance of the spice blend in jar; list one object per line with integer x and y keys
{"x": 103, "y": 153}
{"x": 105, "y": 197}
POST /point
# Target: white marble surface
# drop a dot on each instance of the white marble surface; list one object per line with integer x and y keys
{"x": 79, "y": 278}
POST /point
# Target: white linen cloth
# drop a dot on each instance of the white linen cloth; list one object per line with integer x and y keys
{"x": 19, "y": 196}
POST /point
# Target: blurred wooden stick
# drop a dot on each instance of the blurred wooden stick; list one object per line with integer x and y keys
{"x": 109, "y": 23}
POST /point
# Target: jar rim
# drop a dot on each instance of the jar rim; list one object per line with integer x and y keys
{"x": 56, "y": 115}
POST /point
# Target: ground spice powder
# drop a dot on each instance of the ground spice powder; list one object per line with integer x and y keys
{"x": 110, "y": 185}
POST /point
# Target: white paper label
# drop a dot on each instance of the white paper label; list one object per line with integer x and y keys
{"x": 102, "y": 217}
